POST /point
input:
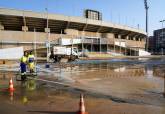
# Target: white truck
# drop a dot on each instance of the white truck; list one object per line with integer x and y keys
{"x": 62, "y": 52}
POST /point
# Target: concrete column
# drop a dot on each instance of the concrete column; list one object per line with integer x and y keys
{"x": 107, "y": 45}
{"x": 114, "y": 43}
{"x": 24, "y": 28}
{"x": 125, "y": 51}
{"x": 1, "y": 27}
{"x": 92, "y": 45}
{"x": 127, "y": 37}
{"x": 119, "y": 42}
{"x": 134, "y": 38}
{"x": 82, "y": 41}
{"x": 130, "y": 52}
{"x": 119, "y": 36}
{"x": 100, "y": 45}
{"x": 47, "y": 30}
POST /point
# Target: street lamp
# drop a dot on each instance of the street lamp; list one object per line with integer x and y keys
{"x": 146, "y": 9}
{"x": 162, "y": 21}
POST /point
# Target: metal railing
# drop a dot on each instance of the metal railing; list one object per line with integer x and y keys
{"x": 94, "y": 40}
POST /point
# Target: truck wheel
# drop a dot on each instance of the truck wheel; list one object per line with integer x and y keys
{"x": 72, "y": 58}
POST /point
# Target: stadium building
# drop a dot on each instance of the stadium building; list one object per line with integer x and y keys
{"x": 89, "y": 34}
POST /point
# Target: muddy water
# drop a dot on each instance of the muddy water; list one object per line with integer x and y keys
{"x": 125, "y": 86}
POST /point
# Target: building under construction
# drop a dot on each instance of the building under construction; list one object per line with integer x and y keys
{"x": 89, "y": 33}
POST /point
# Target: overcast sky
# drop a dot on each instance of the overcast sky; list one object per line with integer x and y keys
{"x": 126, "y": 12}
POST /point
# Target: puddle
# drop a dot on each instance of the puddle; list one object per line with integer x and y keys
{"x": 125, "y": 82}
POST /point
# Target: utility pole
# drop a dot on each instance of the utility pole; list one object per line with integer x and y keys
{"x": 146, "y": 8}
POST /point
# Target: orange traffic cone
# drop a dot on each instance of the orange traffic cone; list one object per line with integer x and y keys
{"x": 11, "y": 87}
{"x": 82, "y": 105}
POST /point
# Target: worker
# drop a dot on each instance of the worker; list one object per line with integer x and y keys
{"x": 23, "y": 63}
{"x": 31, "y": 62}
{"x": 51, "y": 56}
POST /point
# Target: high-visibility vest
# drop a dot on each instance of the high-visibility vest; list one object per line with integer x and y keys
{"x": 31, "y": 58}
{"x": 24, "y": 59}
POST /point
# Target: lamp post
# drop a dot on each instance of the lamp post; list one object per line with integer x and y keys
{"x": 146, "y": 8}
{"x": 162, "y": 21}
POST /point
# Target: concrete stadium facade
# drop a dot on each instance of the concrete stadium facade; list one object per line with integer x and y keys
{"x": 17, "y": 29}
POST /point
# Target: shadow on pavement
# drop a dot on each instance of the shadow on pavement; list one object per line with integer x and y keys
{"x": 52, "y": 112}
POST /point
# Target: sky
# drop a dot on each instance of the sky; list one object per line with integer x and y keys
{"x": 125, "y": 12}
